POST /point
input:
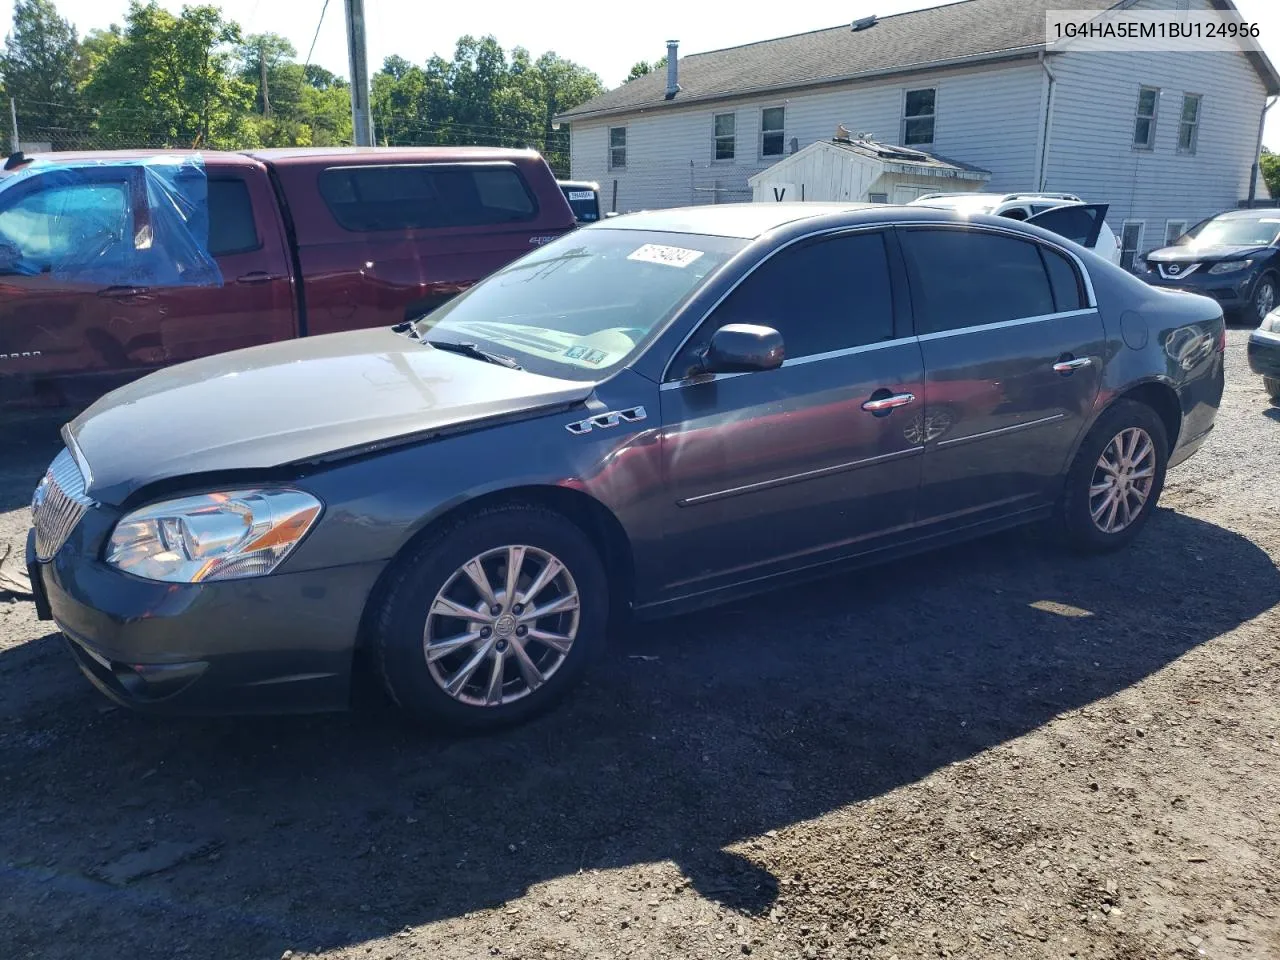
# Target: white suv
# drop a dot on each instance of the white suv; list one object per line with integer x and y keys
{"x": 1031, "y": 207}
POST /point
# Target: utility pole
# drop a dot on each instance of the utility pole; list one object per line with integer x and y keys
{"x": 262, "y": 69}
{"x": 13, "y": 113}
{"x": 361, "y": 118}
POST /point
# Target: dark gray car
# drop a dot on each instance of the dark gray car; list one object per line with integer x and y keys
{"x": 654, "y": 413}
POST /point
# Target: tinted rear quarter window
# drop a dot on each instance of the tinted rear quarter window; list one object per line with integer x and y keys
{"x": 966, "y": 278}
{"x": 1064, "y": 280}
{"x": 231, "y": 226}
{"x": 821, "y": 295}
{"x": 425, "y": 196}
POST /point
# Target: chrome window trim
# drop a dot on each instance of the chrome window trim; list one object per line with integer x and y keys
{"x": 793, "y": 362}
{"x": 943, "y": 334}
{"x": 1091, "y": 298}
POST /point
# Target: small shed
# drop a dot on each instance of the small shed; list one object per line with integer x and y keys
{"x": 861, "y": 170}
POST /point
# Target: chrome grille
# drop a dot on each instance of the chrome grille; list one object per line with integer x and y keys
{"x": 1176, "y": 271}
{"x": 57, "y": 505}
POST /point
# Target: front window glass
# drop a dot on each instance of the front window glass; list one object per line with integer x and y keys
{"x": 582, "y": 305}
{"x": 1233, "y": 232}
{"x": 86, "y": 223}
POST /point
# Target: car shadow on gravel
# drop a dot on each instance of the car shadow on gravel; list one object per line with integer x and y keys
{"x": 28, "y": 441}
{"x": 694, "y": 736}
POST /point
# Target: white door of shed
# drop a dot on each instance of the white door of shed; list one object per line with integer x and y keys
{"x": 905, "y": 194}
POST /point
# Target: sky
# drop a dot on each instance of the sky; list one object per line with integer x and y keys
{"x": 416, "y": 30}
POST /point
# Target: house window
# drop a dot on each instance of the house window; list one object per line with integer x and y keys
{"x": 1144, "y": 124}
{"x": 1189, "y": 124}
{"x": 617, "y": 147}
{"x": 726, "y": 128}
{"x": 772, "y": 123}
{"x": 1173, "y": 229}
{"x": 917, "y": 117}
{"x": 1130, "y": 242}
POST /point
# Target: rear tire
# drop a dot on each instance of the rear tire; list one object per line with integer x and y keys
{"x": 494, "y": 660}
{"x": 1115, "y": 481}
{"x": 1272, "y": 386}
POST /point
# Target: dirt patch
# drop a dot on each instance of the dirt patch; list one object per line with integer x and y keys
{"x": 996, "y": 751}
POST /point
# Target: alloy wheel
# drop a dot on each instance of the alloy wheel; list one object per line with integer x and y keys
{"x": 1264, "y": 298}
{"x": 501, "y": 625}
{"x": 1122, "y": 480}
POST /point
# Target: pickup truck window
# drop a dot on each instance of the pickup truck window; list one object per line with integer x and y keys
{"x": 231, "y": 226}
{"x": 86, "y": 223}
{"x": 424, "y": 196}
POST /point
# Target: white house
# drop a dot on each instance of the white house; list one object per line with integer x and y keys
{"x": 1165, "y": 138}
{"x": 861, "y": 170}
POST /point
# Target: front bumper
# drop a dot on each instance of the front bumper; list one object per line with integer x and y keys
{"x": 1233, "y": 292}
{"x": 1264, "y": 353}
{"x": 276, "y": 644}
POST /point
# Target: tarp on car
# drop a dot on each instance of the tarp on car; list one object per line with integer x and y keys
{"x": 140, "y": 222}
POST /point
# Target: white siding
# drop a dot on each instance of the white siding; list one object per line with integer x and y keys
{"x": 989, "y": 117}
{"x": 1091, "y": 150}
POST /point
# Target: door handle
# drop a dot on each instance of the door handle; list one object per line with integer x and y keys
{"x": 123, "y": 293}
{"x": 1067, "y": 366}
{"x": 885, "y": 404}
{"x": 258, "y": 276}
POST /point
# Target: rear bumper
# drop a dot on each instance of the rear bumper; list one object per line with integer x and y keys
{"x": 1264, "y": 353}
{"x": 276, "y": 644}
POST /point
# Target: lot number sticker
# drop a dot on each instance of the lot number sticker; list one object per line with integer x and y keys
{"x": 581, "y": 195}
{"x": 667, "y": 256}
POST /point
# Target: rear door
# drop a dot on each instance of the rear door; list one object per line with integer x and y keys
{"x": 1012, "y": 352}
{"x": 255, "y": 302}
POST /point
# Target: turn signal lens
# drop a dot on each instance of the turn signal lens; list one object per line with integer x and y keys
{"x": 214, "y": 536}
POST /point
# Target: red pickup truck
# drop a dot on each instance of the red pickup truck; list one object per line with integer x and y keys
{"x": 115, "y": 264}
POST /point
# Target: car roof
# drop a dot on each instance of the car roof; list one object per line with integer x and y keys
{"x": 285, "y": 156}
{"x": 1255, "y": 213}
{"x": 743, "y": 220}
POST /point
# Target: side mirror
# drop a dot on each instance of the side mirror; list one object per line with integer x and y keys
{"x": 744, "y": 347}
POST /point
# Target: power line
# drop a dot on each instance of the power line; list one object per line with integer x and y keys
{"x": 316, "y": 37}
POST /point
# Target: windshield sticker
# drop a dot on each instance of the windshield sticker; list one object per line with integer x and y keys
{"x": 586, "y": 355}
{"x": 667, "y": 256}
{"x": 581, "y": 195}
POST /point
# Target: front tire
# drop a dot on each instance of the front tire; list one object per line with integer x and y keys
{"x": 1115, "y": 480}
{"x": 1263, "y": 300}
{"x": 493, "y": 619}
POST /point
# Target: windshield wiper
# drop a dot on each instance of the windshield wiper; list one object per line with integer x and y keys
{"x": 473, "y": 351}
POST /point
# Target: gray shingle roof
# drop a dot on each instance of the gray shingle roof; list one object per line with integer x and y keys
{"x": 919, "y": 39}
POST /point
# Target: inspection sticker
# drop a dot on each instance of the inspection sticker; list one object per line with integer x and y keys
{"x": 667, "y": 256}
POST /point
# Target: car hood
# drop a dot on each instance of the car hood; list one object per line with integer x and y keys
{"x": 294, "y": 401}
{"x": 1210, "y": 254}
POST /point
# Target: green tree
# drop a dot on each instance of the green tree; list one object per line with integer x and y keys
{"x": 1270, "y": 164}
{"x": 641, "y": 67}
{"x": 41, "y": 67}
{"x": 168, "y": 81}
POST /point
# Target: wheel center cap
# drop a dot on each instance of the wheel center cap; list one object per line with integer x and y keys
{"x": 505, "y": 625}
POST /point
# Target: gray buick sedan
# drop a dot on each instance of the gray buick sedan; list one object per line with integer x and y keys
{"x": 653, "y": 413}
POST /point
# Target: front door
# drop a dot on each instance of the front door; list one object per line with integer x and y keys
{"x": 781, "y": 469}
{"x": 1012, "y": 354}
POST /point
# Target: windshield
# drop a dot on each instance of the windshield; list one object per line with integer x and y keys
{"x": 584, "y": 304}
{"x": 1232, "y": 232}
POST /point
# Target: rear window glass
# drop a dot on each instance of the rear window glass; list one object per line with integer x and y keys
{"x": 231, "y": 226}
{"x": 584, "y": 203}
{"x": 425, "y": 196}
{"x": 1063, "y": 279}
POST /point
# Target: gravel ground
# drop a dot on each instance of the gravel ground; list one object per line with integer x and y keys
{"x": 996, "y": 751}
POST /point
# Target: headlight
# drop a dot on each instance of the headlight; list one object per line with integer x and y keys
{"x": 214, "y": 536}
{"x": 1271, "y": 322}
{"x": 1230, "y": 266}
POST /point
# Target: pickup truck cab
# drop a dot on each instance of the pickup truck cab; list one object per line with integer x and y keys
{"x": 285, "y": 243}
